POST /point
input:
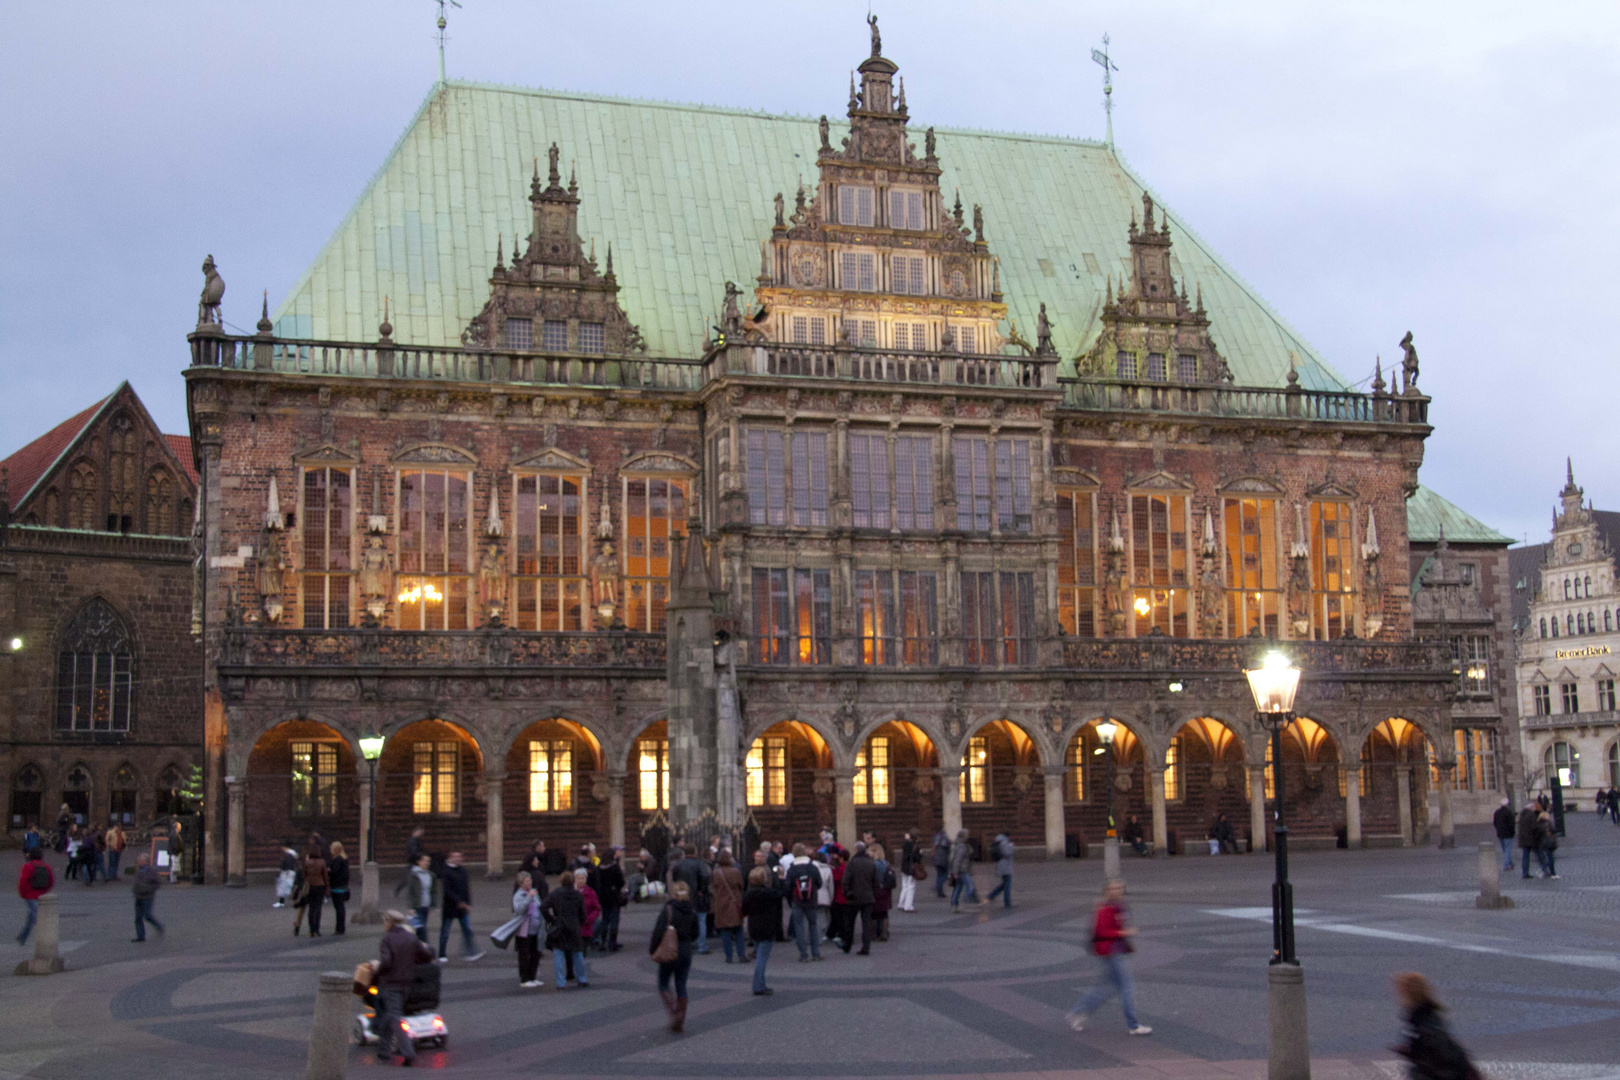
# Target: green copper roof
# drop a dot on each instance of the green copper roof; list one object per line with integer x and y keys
{"x": 684, "y": 195}
{"x": 1427, "y": 513}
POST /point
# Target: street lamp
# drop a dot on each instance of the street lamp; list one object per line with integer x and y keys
{"x": 1274, "y": 684}
{"x": 371, "y": 747}
{"x": 1106, "y": 732}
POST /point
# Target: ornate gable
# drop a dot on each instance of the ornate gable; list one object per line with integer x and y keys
{"x": 1251, "y": 485}
{"x": 1158, "y": 481}
{"x": 434, "y": 454}
{"x": 326, "y": 454}
{"x": 552, "y": 298}
{"x": 1149, "y": 332}
{"x": 659, "y": 461}
{"x": 554, "y": 460}
{"x": 873, "y": 257}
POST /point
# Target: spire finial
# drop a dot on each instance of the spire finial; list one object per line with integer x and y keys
{"x": 610, "y": 259}
{"x": 265, "y": 326}
{"x": 854, "y": 102}
{"x": 499, "y": 253}
{"x": 442, "y": 23}
{"x": 273, "y": 520}
{"x": 573, "y": 184}
{"x": 902, "y": 105}
{"x": 1200, "y": 298}
{"x": 1100, "y": 56}
{"x": 386, "y": 329}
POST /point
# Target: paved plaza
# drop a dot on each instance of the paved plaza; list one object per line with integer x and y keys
{"x": 1534, "y": 991}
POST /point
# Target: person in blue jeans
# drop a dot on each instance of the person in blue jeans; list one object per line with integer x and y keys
{"x": 1506, "y": 828}
{"x": 34, "y": 882}
{"x": 1002, "y": 849}
{"x": 457, "y": 908}
{"x": 1111, "y": 941}
{"x": 564, "y": 911}
{"x": 145, "y": 888}
{"x": 762, "y": 907}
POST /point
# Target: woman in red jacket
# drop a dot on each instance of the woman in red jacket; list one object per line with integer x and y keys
{"x": 1111, "y": 941}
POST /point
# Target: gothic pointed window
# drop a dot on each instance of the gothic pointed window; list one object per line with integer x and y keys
{"x": 121, "y": 490}
{"x": 84, "y": 490}
{"x": 160, "y": 505}
{"x": 27, "y": 797}
{"x": 95, "y": 672}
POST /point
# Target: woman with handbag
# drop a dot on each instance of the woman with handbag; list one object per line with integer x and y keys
{"x": 674, "y": 937}
{"x": 526, "y": 907}
{"x": 1111, "y": 941}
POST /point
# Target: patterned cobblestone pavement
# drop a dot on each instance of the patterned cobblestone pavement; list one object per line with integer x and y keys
{"x": 1535, "y": 991}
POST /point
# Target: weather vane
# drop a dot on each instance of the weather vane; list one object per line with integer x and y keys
{"x": 442, "y": 24}
{"x": 1109, "y": 67}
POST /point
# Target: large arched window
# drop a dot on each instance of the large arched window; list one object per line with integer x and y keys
{"x": 1586, "y": 585}
{"x": 76, "y": 793}
{"x": 1544, "y": 626}
{"x": 27, "y": 797}
{"x": 1563, "y": 761}
{"x": 121, "y": 799}
{"x": 95, "y": 672}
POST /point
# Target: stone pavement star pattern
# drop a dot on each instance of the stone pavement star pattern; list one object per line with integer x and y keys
{"x": 981, "y": 994}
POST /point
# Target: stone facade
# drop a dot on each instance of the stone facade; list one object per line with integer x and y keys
{"x": 868, "y": 561}
{"x": 102, "y": 708}
{"x": 1567, "y": 644}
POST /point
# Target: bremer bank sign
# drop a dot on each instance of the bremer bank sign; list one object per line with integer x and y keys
{"x": 1576, "y": 654}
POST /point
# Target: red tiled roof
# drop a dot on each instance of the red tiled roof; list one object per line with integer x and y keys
{"x": 181, "y": 445}
{"x": 26, "y": 466}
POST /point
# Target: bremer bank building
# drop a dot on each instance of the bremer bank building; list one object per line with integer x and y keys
{"x": 612, "y": 475}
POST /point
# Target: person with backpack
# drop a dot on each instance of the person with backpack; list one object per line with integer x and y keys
{"x": 1111, "y": 941}
{"x": 803, "y": 884}
{"x": 1001, "y": 849}
{"x": 145, "y": 888}
{"x": 1429, "y": 1047}
{"x": 34, "y": 882}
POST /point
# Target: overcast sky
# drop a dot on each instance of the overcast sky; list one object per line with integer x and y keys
{"x": 1369, "y": 168}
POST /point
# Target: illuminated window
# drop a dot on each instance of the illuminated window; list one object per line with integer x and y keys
{"x": 1076, "y": 765}
{"x": 551, "y": 519}
{"x": 886, "y": 640}
{"x": 767, "y": 772}
{"x": 1077, "y": 562}
{"x": 998, "y": 619}
{"x": 792, "y": 625}
{"x": 914, "y": 482}
{"x": 1563, "y": 763}
{"x": 314, "y": 779}
{"x": 652, "y": 773}
{"x": 974, "y": 783}
{"x": 654, "y": 508}
{"x": 1172, "y": 769}
{"x": 872, "y": 773}
{"x": 434, "y": 551}
{"x": 1252, "y": 593}
{"x": 1159, "y": 559}
{"x": 551, "y": 775}
{"x": 869, "y": 480}
{"x": 1330, "y": 567}
{"x": 435, "y": 768}
{"x": 1473, "y": 655}
{"x": 326, "y": 527}
{"x": 95, "y": 677}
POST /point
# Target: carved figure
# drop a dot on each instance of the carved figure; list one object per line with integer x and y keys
{"x": 826, "y": 142}
{"x": 732, "y": 319}
{"x": 492, "y": 582}
{"x": 213, "y": 291}
{"x": 928, "y": 144}
{"x": 1043, "y": 334}
{"x": 374, "y": 576}
{"x": 877, "y": 40}
{"x": 1409, "y": 365}
{"x": 271, "y": 566}
{"x": 781, "y": 208}
{"x": 606, "y": 569}
{"x": 978, "y": 224}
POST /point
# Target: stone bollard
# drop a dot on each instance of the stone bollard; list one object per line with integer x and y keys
{"x": 47, "y": 940}
{"x": 1288, "y": 1044}
{"x": 329, "y": 1034}
{"x": 369, "y": 887}
{"x": 1111, "y": 859}
{"x": 1490, "y": 883}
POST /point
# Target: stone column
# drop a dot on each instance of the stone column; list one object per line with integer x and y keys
{"x": 1448, "y": 835}
{"x": 1161, "y": 827}
{"x": 1403, "y": 795}
{"x": 364, "y": 787}
{"x": 616, "y": 808}
{"x": 236, "y": 859}
{"x": 494, "y": 827}
{"x": 1352, "y": 806}
{"x": 1055, "y": 841}
{"x": 844, "y": 819}
{"x": 1257, "y": 805}
{"x": 950, "y": 801}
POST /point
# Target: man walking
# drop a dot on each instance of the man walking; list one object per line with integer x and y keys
{"x": 1505, "y": 827}
{"x": 860, "y": 893}
{"x": 942, "y": 862}
{"x": 610, "y": 894}
{"x": 145, "y": 890}
{"x": 34, "y": 882}
{"x": 1529, "y": 839}
{"x": 1001, "y": 848}
{"x": 457, "y": 909}
{"x": 420, "y": 882}
{"x": 1110, "y": 939}
{"x": 398, "y": 956}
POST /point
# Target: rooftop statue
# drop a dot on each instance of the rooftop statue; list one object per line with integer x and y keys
{"x": 213, "y": 291}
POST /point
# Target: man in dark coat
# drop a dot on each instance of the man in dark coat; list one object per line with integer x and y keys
{"x": 860, "y": 892}
{"x": 1529, "y": 836}
{"x": 457, "y": 909}
{"x": 1505, "y": 827}
{"x": 696, "y": 874}
{"x": 610, "y": 893}
{"x": 942, "y": 862}
{"x": 398, "y": 956}
{"x": 564, "y": 910}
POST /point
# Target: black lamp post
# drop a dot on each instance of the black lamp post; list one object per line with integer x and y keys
{"x": 1274, "y": 684}
{"x": 371, "y": 749}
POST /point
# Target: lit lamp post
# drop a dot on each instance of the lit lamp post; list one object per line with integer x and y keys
{"x": 1106, "y": 732}
{"x": 371, "y": 749}
{"x": 1274, "y": 684}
